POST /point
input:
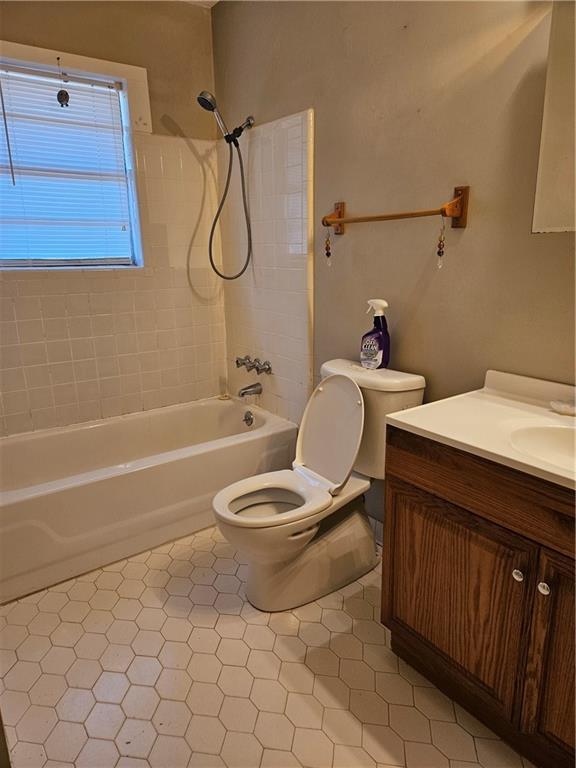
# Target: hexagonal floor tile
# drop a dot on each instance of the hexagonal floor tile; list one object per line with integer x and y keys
{"x": 25, "y": 754}
{"x": 175, "y": 655}
{"x": 36, "y": 724}
{"x": 173, "y": 684}
{"x": 96, "y": 753}
{"x": 205, "y": 734}
{"x": 144, "y": 670}
{"x": 304, "y": 710}
{"x": 284, "y": 624}
{"x": 13, "y": 704}
{"x": 147, "y": 642}
{"x": 383, "y": 744}
{"x": 233, "y": 652}
{"x": 296, "y": 677}
{"x": 58, "y": 660}
{"x": 264, "y": 664}
{"x": 22, "y": 676}
{"x": 342, "y": 727}
{"x": 346, "y": 646}
{"x": 83, "y": 673}
{"x": 241, "y": 750}
{"x": 452, "y": 740}
{"x": 140, "y": 702}
{"x": 331, "y": 692}
{"x": 171, "y": 718}
{"x": 75, "y": 705}
{"x": 369, "y": 707}
{"x": 313, "y": 748}
{"x": 65, "y": 742}
{"x": 268, "y": 695}
{"x": 204, "y": 667}
{"x": 169, "y": 750}
{"x": 136, "y": 738}
{"x": 104, "y": 721}
{"x": 204, "y": 699}
{"x": 235, "y": 681}
{"x": 111, "y": 687}
{"x": 160, "y": 660}
{"x": 274, "y": 731}
{"x": 409, "y": 723}
{"x": 205, "y": 640}
{"x": 238, "y": 714}
{"x": 322, "y": 661}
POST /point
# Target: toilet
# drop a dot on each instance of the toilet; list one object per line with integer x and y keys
{"x": 304, "y": 532}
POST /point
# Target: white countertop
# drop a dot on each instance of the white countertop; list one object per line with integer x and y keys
{"x": 492, "y": 423}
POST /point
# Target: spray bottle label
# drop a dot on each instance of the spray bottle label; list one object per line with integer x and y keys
{"x": 371, "y": 352}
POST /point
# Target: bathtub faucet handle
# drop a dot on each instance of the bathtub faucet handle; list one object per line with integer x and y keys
{"x": 244, "y": 361}
{"x": 262, "y": 367}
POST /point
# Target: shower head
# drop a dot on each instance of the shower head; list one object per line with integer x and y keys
{"x": 207, "y": 101}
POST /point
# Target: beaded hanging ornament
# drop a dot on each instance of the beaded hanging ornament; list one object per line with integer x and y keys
{"x": 328, "y": 246}
{"x": 441, "y": 243}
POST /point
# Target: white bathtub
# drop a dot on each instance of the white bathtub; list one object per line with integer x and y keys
{"x": 73, "y": 499}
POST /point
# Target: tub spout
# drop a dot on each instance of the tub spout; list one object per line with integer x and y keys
{"x": 251, "y": 389}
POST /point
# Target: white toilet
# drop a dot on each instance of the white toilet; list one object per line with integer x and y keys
{"x": 304, "y": 532}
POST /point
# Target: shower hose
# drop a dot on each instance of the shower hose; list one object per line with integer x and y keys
{"x": 219, "y": 211}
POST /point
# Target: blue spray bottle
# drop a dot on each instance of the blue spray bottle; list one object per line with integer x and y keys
{"x": 375, "y": 348}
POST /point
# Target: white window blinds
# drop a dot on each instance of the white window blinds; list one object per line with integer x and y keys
{"x": 67, "y": 187}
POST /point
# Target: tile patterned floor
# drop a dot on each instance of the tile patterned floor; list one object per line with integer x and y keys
{"x": 159, "y": 661}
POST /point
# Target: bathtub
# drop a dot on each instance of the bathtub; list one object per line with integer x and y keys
{"x": 76, "y": 498}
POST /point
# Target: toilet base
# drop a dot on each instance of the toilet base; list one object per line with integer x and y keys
{"x": 341, "y": 552}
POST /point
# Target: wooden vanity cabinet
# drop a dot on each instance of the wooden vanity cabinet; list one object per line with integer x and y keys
{"x": 548, "y": 698}
{"x": 475, "y": 598}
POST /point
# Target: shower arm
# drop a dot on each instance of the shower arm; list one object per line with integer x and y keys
{"x": 456, "y": 209}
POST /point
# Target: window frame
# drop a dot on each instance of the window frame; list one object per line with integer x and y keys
{"x": 132, "y": 86}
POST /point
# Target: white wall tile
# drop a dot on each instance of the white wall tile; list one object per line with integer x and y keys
{"x": 76, "y": 346}
{"x": 268, "y": 310}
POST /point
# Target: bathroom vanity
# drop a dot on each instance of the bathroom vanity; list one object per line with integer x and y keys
{"x": 478, "y": 560}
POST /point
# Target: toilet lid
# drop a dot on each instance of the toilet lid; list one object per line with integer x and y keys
{"x": 331, "y": 431}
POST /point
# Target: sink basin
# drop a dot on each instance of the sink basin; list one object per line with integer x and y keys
{"x": 553, "y": 444}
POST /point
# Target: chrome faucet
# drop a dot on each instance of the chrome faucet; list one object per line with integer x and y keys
{"x": 262, "y": 367}
{"x": 250, "y": 365}
{"x": 251, "y": 389}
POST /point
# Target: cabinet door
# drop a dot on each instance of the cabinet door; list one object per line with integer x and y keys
{"x": 457, "y": 586}
{"x": 548, "y": 711}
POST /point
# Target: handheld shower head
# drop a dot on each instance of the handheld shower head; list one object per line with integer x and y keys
{"x": 207, "y": 101}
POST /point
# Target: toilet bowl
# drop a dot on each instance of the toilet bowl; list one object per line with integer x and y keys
{"x": 304, "y": 532}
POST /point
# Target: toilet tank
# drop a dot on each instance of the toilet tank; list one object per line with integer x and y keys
{"x": 384, "y": 391}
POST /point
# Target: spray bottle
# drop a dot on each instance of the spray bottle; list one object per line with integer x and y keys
{"x": 375, "y": 348}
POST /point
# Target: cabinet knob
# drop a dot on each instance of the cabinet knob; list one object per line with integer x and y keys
{"x": 517, "y": 575}
{"x": 543, "y": 588}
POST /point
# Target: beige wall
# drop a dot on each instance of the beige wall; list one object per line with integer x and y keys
{"x": 411, "y": 99}
{"x": 171, "y": 39}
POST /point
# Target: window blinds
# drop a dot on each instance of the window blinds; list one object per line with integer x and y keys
{"x": 72, "y": 200}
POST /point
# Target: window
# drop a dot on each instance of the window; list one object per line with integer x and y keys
{"x": 67, "y": 186}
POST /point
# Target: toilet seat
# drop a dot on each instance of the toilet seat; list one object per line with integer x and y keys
{"x": 238, "y": 503}
{"x": 326, "y": 449}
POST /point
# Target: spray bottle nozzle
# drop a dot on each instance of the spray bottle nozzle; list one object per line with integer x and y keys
{"x": 377, "y": 306}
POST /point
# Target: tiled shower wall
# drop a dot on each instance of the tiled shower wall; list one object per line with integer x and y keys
{"x": 82, "y": 345}
{"x": 269, "y": 309}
